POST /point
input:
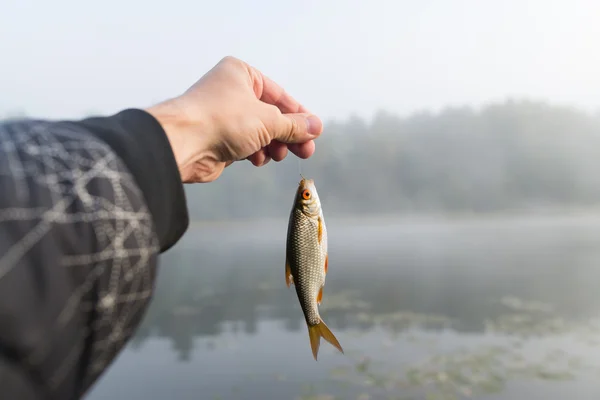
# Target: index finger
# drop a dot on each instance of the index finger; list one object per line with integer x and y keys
{"x": 275, "y": 95}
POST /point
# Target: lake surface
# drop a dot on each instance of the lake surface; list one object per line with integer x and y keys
{"x": 433, "y": 309}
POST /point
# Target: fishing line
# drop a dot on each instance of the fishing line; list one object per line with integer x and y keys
{"x": 300, "y": 168}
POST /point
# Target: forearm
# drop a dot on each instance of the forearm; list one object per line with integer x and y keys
{"x": 16, "y": 383}
{"x": 85, "y": 208}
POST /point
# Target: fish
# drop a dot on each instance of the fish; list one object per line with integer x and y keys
{"x": 307, "y": 261}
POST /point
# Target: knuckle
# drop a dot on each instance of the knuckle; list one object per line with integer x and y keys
{"x": 232, "y": 61}
{"x": 273, "y": 111}
{"x": 264, "y": 138}
{"x": 228, "y": 59}
{"x": 272, "y": 115}
{"x": 294, "y": 127}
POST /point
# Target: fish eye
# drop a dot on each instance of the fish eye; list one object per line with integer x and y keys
{"x": 306, "y": 194}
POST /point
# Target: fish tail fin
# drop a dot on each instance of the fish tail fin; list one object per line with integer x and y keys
{"x": 321, "y": 330}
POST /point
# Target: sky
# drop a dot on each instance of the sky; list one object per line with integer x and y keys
{"x": 67, "y": 58}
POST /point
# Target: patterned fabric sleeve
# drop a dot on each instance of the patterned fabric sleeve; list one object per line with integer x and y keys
{"x": 78, "y": 251}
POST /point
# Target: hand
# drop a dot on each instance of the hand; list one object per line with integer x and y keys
{"x": 233, "y": 113}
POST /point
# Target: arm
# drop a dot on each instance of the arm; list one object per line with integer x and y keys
{"x": 85, "y": 208}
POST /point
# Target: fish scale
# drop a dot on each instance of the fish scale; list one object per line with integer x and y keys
{"x": 305, "y": 254}
{"x": 306, "y": 260}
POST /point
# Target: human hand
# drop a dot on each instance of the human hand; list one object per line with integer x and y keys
{"x": 234, "y": 113}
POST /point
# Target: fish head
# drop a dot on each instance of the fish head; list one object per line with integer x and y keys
{"x": 307, "y": 198}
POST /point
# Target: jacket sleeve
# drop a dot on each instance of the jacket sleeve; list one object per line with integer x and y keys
{"x": 85, "y": 209}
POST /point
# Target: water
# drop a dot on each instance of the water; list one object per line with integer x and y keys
{"x": 430, "y": 309}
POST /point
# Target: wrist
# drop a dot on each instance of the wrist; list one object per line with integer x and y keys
{"x": 139, "y": 141}
{"x": 189, "y": 138}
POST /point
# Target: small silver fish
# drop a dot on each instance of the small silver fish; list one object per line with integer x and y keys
{"x": 307, "y": 260}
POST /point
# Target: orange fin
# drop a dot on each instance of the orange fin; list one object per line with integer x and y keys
{"x": 320, "y": 296}
{"x": 289, "y": 279}
{"x": 316, "y": 332}
{"x": 326, "y": 263}
{"x": 320, "y": 230}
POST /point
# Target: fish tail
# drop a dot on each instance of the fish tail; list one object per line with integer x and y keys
{"x": 315, "y": 332}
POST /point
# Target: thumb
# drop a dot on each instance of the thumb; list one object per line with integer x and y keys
{"x": 296, "y": 128}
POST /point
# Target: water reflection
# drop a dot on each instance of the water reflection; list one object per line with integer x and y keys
{"x": 195, "y": 300}
{"x": 490, "y": 289}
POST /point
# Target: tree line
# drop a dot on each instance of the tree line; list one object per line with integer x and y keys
{"x": 515, "y": 155}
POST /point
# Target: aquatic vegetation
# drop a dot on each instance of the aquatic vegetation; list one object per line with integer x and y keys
{"x": 459, "y": 374}
{"x": 317, "y": 397}
{"x": 310, "y": 393}
{"x": 480, "y": 369}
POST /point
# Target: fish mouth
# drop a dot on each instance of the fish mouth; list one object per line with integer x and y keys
{"x": 305, "y": 182}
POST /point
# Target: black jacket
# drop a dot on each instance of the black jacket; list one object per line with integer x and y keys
{"x": 85, "y": 209}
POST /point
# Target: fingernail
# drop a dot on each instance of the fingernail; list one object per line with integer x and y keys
{"x": 314, "y": 125}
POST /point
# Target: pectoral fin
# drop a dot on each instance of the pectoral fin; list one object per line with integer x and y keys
{"x": 289, "y": 279}
{"x": 320, "y": 229}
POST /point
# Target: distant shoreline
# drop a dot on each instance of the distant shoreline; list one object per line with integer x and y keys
{"x": 588, "y": 212}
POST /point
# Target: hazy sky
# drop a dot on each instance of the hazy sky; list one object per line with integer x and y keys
{"x": 65, "y": 58}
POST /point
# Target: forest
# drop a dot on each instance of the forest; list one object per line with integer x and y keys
{"x": 511, "y": 156}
